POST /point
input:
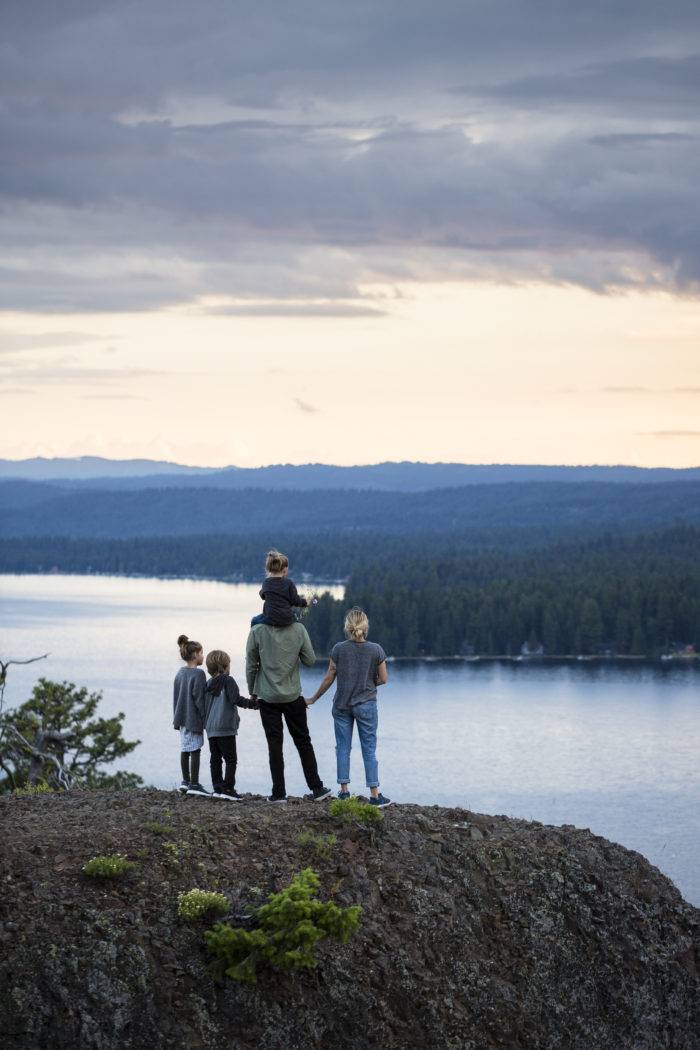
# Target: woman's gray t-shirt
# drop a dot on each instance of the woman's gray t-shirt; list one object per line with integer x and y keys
{"x": 356, "y": 681}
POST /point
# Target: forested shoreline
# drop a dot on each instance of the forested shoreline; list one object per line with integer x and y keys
{"x": 622, "y": 596}
{"x": 465, "y": 593}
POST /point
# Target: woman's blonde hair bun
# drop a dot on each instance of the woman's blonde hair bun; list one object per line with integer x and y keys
{"x": 356, "y": 624}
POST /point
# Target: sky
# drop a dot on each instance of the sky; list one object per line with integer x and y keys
{"x": 258, "y": 233}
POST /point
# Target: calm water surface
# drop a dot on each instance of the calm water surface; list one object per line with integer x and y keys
{"x": 611, "y": 748}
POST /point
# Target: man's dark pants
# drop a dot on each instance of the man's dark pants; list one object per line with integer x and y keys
{"x": 294, "y": 714}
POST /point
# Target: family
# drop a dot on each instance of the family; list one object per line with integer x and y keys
{"x": 277, "y": 646}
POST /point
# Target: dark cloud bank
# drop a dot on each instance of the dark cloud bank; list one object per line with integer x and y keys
{"x": 157, "y": 153}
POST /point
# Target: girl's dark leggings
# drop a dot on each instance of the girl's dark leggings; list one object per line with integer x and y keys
{"x": 189, "y": 763}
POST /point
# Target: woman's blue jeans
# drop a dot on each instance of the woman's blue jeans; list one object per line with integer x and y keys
{"x": 366, "y": 717}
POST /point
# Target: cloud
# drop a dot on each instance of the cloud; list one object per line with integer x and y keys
{"x": 304, "y": 406}
{"x": 282, "y": 308}
{"x": 670, "y": 433}
{"x": 62, "y": 373}
{"x": 275, "y": 154}
{"x": 627, "y": 390}
{"x": 651, "y": 83}
{"x": 630, "y": 140}
{"x": 16, "y": 342}
{"x": 114, "y": 397}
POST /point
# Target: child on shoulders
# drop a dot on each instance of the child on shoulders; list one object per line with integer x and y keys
{"x": 222, "y": 698}
{"x": 279, "y": 593}
{"x": 188, "y": 713}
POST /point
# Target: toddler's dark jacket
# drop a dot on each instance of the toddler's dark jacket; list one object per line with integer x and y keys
{"x": 222, "y": 699}
{"x": 280, "y": 596}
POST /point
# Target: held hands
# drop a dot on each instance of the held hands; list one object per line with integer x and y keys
{"x": 310, "y": 700}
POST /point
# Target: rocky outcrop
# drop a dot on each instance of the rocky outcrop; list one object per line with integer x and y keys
{"x": 477, "y": 931}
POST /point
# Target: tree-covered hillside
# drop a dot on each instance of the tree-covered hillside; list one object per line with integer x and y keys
{"x": 43, "y": 510}
{"x": 629, "y": 596}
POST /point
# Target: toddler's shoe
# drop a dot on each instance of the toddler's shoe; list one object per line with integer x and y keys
{"x": 380, "y": 801}
{"x": 343, "y": 794}
{"x": 197, "y": 789}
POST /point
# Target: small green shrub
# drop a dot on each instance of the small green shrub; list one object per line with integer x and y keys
{"x": 289, "y": 927}
{"x": 195, "y": 903}
{"x": 159, "y": 829}
{"x": 322, "y": 845}
{"x": 109, "y": 866}
{"x": 172, "y": 850}
{"x": 347, "y": 809}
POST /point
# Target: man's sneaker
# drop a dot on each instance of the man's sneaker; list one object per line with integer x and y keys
{"x": 320, "y": 793}
{"x": 343, "y": 794}
{"x": 380, "y": 801}
{"x": 197, "y": 789}
{"x": 184, "y": 787}
{"x": 232, "y": 796}
{"x": 277, "y": 798}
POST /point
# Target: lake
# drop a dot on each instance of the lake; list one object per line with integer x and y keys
{"x": 609, "y": 747}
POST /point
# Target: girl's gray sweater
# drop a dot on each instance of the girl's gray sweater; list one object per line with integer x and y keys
{"x": 188, "y": 699}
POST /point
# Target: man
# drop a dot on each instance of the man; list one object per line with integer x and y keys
{"x": 273, "y": 656}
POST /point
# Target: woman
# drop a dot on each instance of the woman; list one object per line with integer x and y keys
{"x": 357, "y": 667}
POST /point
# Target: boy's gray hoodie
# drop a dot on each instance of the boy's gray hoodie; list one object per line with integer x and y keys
{"x": 221, "y": 702}
{"x": 188, "y": 699}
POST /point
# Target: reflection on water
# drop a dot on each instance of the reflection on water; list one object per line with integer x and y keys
{"x": 597, "y": 745}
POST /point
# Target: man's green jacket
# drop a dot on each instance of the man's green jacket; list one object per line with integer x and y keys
{"x": 272, "y": 657}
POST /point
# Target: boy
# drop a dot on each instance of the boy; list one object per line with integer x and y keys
{"x": 221, "y": 722}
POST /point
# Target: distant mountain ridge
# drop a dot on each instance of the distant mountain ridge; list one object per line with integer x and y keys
{"x": 406, "y": 476}
{"x": 86, "y": 468}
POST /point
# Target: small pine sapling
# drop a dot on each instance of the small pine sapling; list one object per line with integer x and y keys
{"x": 289, "y": 927}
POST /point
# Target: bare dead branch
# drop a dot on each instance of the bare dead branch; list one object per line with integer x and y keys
{"x": 4, "y": 664}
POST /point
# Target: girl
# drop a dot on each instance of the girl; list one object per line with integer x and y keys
{"x": 358, "y": 667}
{"x": 188, "y": 713}
{"x": 221, "y": 721}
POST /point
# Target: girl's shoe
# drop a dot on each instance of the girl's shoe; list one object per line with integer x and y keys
{"x": 276, "y": 798}
{"x": 380, "y": 801}
{"x": 197, "y": 789}
{"x": 231, "y": 796}
{"x": 343, "y": 794}
{"x": 184, "y": 787}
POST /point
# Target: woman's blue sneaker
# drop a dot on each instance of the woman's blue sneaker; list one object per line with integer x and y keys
{"x": 343, "y": 794}
{"x": 380, "y": 801}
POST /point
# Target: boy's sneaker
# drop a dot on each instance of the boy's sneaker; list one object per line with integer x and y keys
{"x": 343, "y": 794}
{"x": 380, "y": 801}
{"x": 320, "y": 793}
{"x": 197, "y": 789}
{"x": 277, "y": 798}
{"x": 232, "y": 796}
{"x": 184, "y": 787}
